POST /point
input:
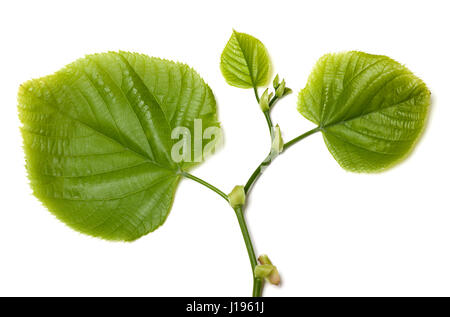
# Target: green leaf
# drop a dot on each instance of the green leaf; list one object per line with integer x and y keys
{"x": 97, "y": 139}
{"x": 370, "y": 109}
{"x": 245, "y": 62}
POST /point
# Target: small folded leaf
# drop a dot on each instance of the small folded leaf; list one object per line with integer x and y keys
{"x": 97, "y": 139}
{"x": 370, "y": 109}
{"x": 287, "y": 91}
{"x": 264, "y": 100}
{"x": 277, "y": 141}
{"x": 276, "y": 82}
{"x": 280, "y": 89}
{"x": 245, "y": 62}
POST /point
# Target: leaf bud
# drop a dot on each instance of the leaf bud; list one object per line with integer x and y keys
{"x": 264, "y": 100}
{"x": 280, "y": 89}
{"x": 276, "y": 82}
{"x": 237, "y": 196}
{"x": 277, "y": 141}
{"x": 264, "y": 259}
{"x": 287, "y": 91}
{"x": 263, "y": 270}
{"x": 268, "y": 269}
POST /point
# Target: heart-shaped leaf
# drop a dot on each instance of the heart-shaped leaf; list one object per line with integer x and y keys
{"x": 370, "y": 109}
{"x": 245, "y": 62}
{"x": 97, "y": 139}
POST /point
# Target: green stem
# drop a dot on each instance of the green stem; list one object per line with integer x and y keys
{"x": 273, "y": 101}
{"x": 300, "y": 137}
{"x": 257, "y": 172}
{"x": 257, "y": 282}
{"x": 269, "y": 123}
{"x": 204, "y": 183}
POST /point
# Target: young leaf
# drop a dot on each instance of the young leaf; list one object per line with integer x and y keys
{"x": 370, "y": 109}
{"x": 97, "y": 139}
{"x": 245, "y": 62}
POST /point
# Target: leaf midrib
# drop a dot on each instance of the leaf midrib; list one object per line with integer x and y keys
{"x": 324, "y": 129}
{"x": 147, "y": 159}
{"x": 245, "y": 58}
{"x": 125, "y": 98}
{"x": 370, "y": 112}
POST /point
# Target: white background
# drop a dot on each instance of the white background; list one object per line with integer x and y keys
{"x": 330, "y": 232}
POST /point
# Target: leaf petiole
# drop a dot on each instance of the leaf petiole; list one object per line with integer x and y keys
{"x": 266, "y": 162}
{"x": 300, "y": 137}
{"x": 206, "y": 184}
{"x": 257, "y": 172}
{"x": 266, "y": 113}
{"x": 255, "y": 90}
